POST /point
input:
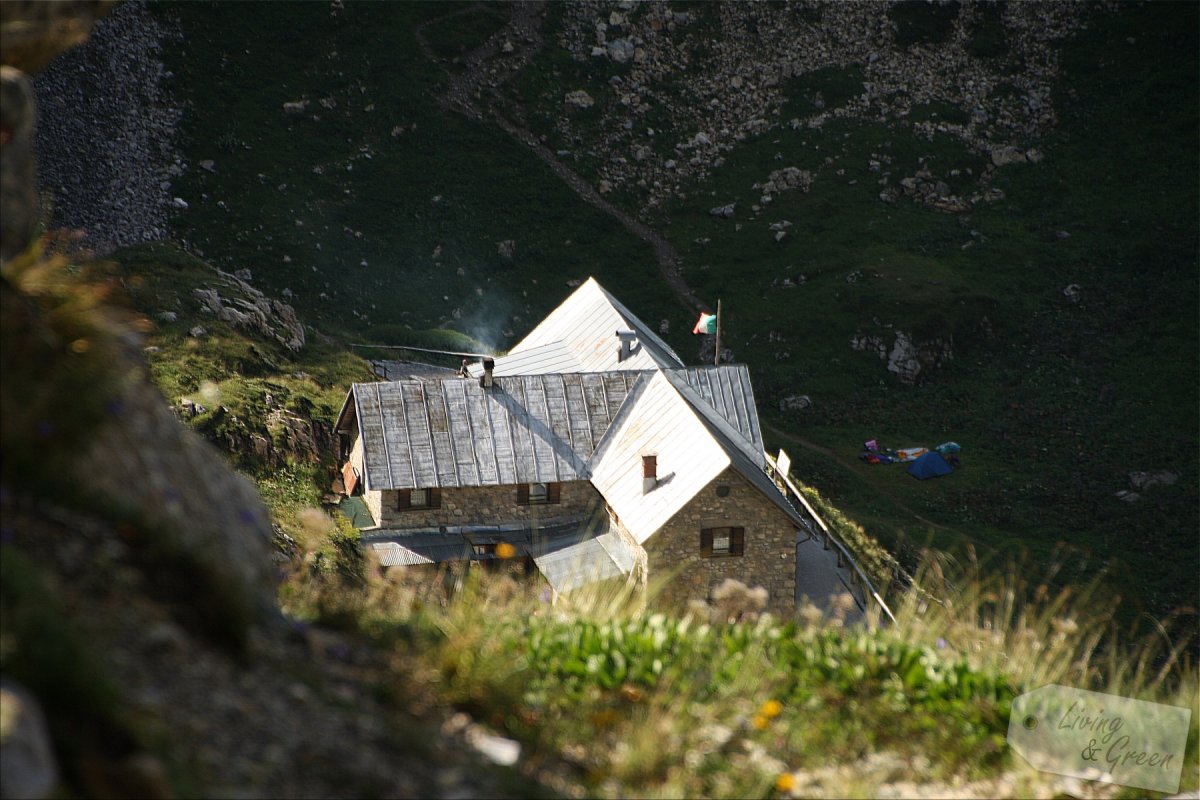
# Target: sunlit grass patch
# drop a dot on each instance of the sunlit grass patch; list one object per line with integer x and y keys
{"x": 631, "y": 701}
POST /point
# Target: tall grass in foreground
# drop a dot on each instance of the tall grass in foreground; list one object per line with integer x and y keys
{"x": 627, "y": 701}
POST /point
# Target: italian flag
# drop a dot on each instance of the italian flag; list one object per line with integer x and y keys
{"x": 706, "y": 324}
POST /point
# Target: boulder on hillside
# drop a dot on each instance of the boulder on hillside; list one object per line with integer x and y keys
{"x": 1146, "y": 480}
{"x": 578, "y": 99}
{"x": 1007, "y": 154}
{"x": 246, "y": 308}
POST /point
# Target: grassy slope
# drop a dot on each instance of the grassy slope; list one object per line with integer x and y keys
{"x": 1053, "y": 409}
{"x": 228, "y": 367}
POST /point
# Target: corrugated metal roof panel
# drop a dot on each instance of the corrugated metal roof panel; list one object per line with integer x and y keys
{"x": 585, "y": 562}
{"x": 450, "y": 433}
{"x": 408, "y": 550}
{"x": 571, "y": 552}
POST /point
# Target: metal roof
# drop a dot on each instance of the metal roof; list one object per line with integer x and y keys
{"x": 397, "y": 370}
{"x": 589, "y": 561}
{"x": 727, "y": 391}
{"x": 419, "y": 548}
{"x": 451, "y": 433}
{"x": 564, "y": 408}
{"x": 570, "y": 553}
{"x": 553, "y": 357}
{"x": 749, "y": 460}
{"x": 585, "y": 325}
{"x": 656, "y": 421}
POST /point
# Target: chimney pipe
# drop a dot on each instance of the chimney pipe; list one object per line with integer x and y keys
{"x": 649, "y": 473}
{"x": 627, "y": 338}
{"x": 485, "y": 380}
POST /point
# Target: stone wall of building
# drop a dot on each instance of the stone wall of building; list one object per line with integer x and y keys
{"x": 768, "y": 559}
{"x": 482, "y": 505}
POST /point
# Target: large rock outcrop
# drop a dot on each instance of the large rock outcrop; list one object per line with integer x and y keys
{"x": 239, "y": 304}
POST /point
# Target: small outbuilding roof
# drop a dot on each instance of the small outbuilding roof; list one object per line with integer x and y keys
{"x": 570, "y": 553}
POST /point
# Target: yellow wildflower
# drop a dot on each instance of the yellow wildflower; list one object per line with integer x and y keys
{"x": 785, "y": 782}
{"x": 771, "y": 709}
{"x": 760, "y": 722}
{"x": 505, "y": 550}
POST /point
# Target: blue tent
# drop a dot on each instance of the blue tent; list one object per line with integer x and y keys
{"x": 930, "y": 465}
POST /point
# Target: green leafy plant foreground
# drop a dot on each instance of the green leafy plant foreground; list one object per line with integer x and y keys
{"x": 628, "y": 702}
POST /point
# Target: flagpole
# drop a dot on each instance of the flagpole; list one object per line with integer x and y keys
{"x": 717, "y": 355}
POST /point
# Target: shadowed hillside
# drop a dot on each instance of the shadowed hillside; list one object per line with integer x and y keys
{"x": 973, "y": 223}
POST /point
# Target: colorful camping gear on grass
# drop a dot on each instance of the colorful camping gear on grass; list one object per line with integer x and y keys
{"x": 706, "y": 324}
{"x": 930, "y": 465}
{"x": 911, "y": 453}
{"x": 875, "y": 454}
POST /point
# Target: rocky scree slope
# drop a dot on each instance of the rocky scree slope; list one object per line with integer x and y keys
{"x": 693, "y": 84}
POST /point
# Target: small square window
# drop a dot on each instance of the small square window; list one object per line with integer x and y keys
{"x": 408, "y": 499}
{"x": 718, "y": 542}
{"x": 538, "y": 493}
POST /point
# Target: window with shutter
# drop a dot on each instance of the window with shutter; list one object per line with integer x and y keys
{"x": 649, "y": 466}
{"x": 407, "y": 499}
{"x": 538, "y": 493}
{"x": 719, "y": 542}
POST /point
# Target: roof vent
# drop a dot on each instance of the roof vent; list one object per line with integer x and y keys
{"x": 628, "y": 344}
{"x": 485, "y": 380}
